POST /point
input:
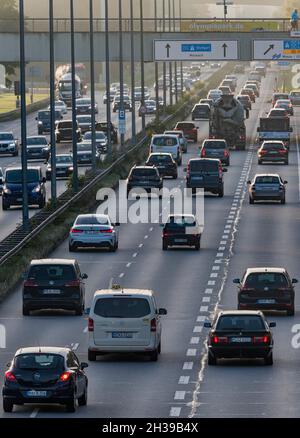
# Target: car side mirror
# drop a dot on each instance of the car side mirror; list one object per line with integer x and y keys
{"x": 285, "y": 182}
{"x": 272, "y": 324}
{"x": 87, "y": 311}
{"x": 116, "y": 224}
{"x": 84, "y": 276}
{"x": 44, "y": 179}
{"x": 207, "y": 324}
{"x": 225, "y": 170}
{"x": 294, "y": 281}
{"x": 162, "y": 312}
{"x": 83, "y": 365}
{"x": 236, "y": 281}
{"x": 36, "y": 118}
{"x": 248, "y": 182}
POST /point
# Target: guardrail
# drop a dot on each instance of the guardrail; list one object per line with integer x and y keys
{"x": 153, "y": 25}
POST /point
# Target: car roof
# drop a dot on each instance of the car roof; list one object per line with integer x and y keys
{"x": 165, "y": 135}
{"x": 6, "y": 132}
{"x": 265, "y": 269}
{"x": 63, "y": 351}
{"x": 267, "y": 174}
{"x": 143, "y": 167}
{"x": 215, "y": 139}
{"x": 104, "y": 216}
{"x": 36, "y": 136}
{"x": 212, "y": 160}
{"x": 160, "y": 153}
{"x": 240, "y": 313}
{"x": 52, "y": 262}
{"x": 122, "y": 291}
{"x": 20, "y": 168}
{"x": 273, "y": 141}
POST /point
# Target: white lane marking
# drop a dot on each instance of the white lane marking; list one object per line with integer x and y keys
{"x": 224, "y": 237}
{"x": 175, "y": 412}
{"x": 184, "y": 380}
{"x": 75, "y": 346}
{"x": 141, "y": 245}
{"x": 211, "y": 283}
{"x": 85, "y": 330}
{"x": 191, "y": 352}
{"x": 218, "y": 261}
{"x": 121, "y": 275}
{"x": 134, "y": 255}
{"x": 128, "y": 265}
{"x": 179, "y": 395}
{"x": 197, "y": 329}
{"x": 226, "y": 231}
{"x": 208, "y": 291}
{"x": 223, "y": 243}
{"x": 219, "y": 254}
{"x": 151, "y": 229}
{"x": 221, "y": 248}
{"x": 195, "y": 340}
{"x": 216, "y": 268}
{"x": 203, "y": 308}
{"x": 146, "y": 237}
{"x": 34, "y": 413}
{"x": 214, "y": 275}
{"x": 201, "y": 318}
{"x": 205, "y": 299}
{"x": 188, "y": 365}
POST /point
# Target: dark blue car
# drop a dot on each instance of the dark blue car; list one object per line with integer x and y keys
{"x": 44, "y": 121}
{"x": 12, "y": 188}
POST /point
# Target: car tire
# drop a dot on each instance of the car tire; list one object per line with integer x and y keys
{"x": 5, "y": 206}
{"x": 25, "y": 311}
{"x": 175, "y": 176}
{"x": 7, "y": 405}
{"x": 211, "y": 360}
{"x": 71, "y": 404}
{"x": 159, "y": 348}
{"x": 259, "y": 162}
{"x": 198, "y": 245}
{"x": 82, "y": 401}
{"x": 79, "y": 310}
{"x": 251, "y": 201}
{"x": 153, "y": 356}
{"x": 113, "y": 248}
{"x": 42, "y": 203}
{"x": 72, "y": 247}
{"x": 164, "y": 246}
{"x": 15, "y": 154}
{"x": 269, "y": 359}
{"x": 282, "y": 201}
{"x": 291, "y": 312}
{"x": 92, "y": 356}
{"x": 286, "y": 162}
{"x": 221, "y": 193}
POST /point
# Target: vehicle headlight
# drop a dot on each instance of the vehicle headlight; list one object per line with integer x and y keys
{"x": 40, "y": 122}
{"x": 7, "y": 191}
{"x": 45, "y": 149}
{"x": 70, "y": 168}
{"x": 37, "y": 189}
{"x": 12, "y": 145}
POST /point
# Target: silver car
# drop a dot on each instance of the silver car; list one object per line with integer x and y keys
{"x": 93, "y": 231}
{"x": 267, "y": 187}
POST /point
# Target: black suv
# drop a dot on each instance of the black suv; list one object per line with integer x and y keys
{"x": 205, "y": 173}
{"x": 266, "y": 289}
{"x": 45, "y": 375}
{"x": 144, "y": 177}
{"x": 103, "y": 126}
{"x": 63, "y": 131}
{"x": 54, "y": 284}
{"x": 44, "y": 120}
{"x": 165, "y": 164}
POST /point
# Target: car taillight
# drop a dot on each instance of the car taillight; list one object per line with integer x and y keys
{"x": 282, "y": 151}
{"x": 109, "y": 230}
{"x": 10, "y": 377}
{"x": 72, "y": 283}
{"x": 75, "y": 231}
{"x": 203, "y": 153}
{"x": 226, "y": 153}
{"x": 65, "y": 376}
{"x": 219, "y": 339}
{"x": 153, "y": 325}
{"x": 262, "y": 152}
{"x": 261, "y": 339}
{"x": 90, "y": 325}
{"x": 30, "y": 283}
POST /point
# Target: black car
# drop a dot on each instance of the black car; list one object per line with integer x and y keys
{"x": 45, "y": 375}
{"x": 37, "y": 148}
{"x": 201, "y": 111}
{"x": 181, "y": 230}
{"x": 127, "y": 105}
{"x": 205, "y": 173}
{"x": 84, "y": 106}
{"x": 237, "y": 334}
{"x": 63, "y": 131}
{"x": 44, "y": 120}
{"x": 54, "y": 284}
{"x": 165, "y": 164}
{"x": 144, "y": 177}
{"x": 103, "y": 127}
{"x": 64, "y": 166}
{"x": 273, "y": 151}
{"x": 266, "y": 289}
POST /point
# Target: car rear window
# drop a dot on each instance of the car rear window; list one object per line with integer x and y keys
{"x": 91, "y": 220}
{"x": 273, "y": 146}
{"x": 143, "y": 172}
{"x": 164, "y": 141}
{"x": 207, "y": 166}
{"x": 280, "y": 96}
{"x": 266, "y": 279}
{"x": 214, "y": 145}
{"x": 295, "y": 93}
{"x": 267, "y": 180}
{"x": 203, "y": 106}
{"x": 65, "y": 125}
{"x": 39, "y": 361}
{"x": 185, "y": 126}
{"x": 52, "y": 272}
{"x": 160, "y": 159}
{"x": 240, "y": 322}
{"x": 184, "y": 221}
{"x": 122, "y": 307}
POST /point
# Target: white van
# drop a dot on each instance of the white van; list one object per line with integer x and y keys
{"x": 167, "y": 143}
{"x": 124, "y": 321}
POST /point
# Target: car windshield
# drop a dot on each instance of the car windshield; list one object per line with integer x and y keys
{"x": 39, "y": 361}
{"x": 52, "y": 272}
{"x": 281, "y": 96}
{"x": 92, "y": 220}
{"x": 8, "y": 137}
{"x": 65, "y": 125}
{"x": 99, "y": 136}
{"x": 240, "y": 322}
{"x": 15, "y": 176}
{"x": 267, "y": 180}
{"x": 266, "y": 279}
{"x": 44, "y": 115}
{"x": 123, "y": 307}
{"x": 164, "y": 141}
{"x": 36, "y": 141}
{"x": 214, "y": 145}
{"x": 64, "y": 159}
{"x": 144, "y": 172}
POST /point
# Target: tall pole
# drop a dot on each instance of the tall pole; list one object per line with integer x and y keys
{"x": 25, "y": 213}
{"x": 92, "y": 77}
{"x": 74, "y": 118}
{"x": 175, "y": 64}
{"x": 156, "y": 69}
{"x": 170, "y": 63}
{"x": 52, "y": 105}
{"x": 181, "y": 63}
{"x": 164, "y": 64}
{"x": 142, "y": 65}
{"x": 107, "y": 79}
{"x": 132, "y": 67}
{"x": 122, "y": 136}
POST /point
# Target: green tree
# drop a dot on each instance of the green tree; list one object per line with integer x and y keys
{"x": 9, "y": 15}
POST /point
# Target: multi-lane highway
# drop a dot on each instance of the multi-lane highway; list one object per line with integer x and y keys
{"x": 191, "y": 285}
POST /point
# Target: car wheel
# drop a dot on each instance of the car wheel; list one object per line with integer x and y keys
{"x": 71, "y": 404}
{"x": 211, "y": 360}
{"x": 153, "y": 355}
{"x": 251, "y": 201}
{"x": 291, "y": 312}
{"x": 159, "y": 348}
{"x": 175, "y": 176}
{"x": 5, "y": 206}
{"x": 26, "y": 311}
{"x": 7, "y": 405}
{"x": 92, "y": 356}
{"x": 79, "y": 310}
{"x": 197, "y": 246}
{"x": 15, "y": 154}
{"x": 221, "y": 193}
{"x": 269, "y": 359}
{"x": 72, "y": 247}
{"x": 113, "y": 248}
{"x": 164, "y": 246}
{"x": 283, "y": 201}
{"x": 286, "y": 162}
{"x": 42, "y": 203}
{"x": 82, "y": 401}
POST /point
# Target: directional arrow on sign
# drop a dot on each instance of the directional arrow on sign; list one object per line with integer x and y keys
{"x": 168, "y": 50}
{"x": 225, "y": 49}
{"x": 271, "y": 46}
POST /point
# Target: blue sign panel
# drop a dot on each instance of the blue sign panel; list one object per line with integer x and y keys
{"x": 291, "y": 45}
{"x": 196, "y": 47}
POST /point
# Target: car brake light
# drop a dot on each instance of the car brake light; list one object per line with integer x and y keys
{"x": 65, "y": 376}
{"x": 282, "y": 151}
{"x": 90, "y": 325}
{"x": 203, "y": 153}
{"x": 262, "y": 152}
{"x": 220, "y": 339}
{"x": 261, "y": 339}
{"x": 10, "y": 377}
{"x": 73, "y": 283}
{"x": 30, "y": 283}
{"x": 75, "y": 231}
{"x": 153, "y": 325}
{"x": 226, "y": 153}
{"x": 109, "y": 230}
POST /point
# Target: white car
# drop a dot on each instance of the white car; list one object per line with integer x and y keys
{"x": 124, "y": 320}
{"x": 59, "y": 105}
{"x": 214, "y": 94}
{"x": 167, "y": 144}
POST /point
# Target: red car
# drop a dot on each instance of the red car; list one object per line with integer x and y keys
{"x": 189, "y": 129}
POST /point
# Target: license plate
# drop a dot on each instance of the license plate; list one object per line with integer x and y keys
{"x": 19, "y": 199}
{"x": 238, "y": 340}
{"x": 51, "y": 291}
{"x": 180, "y": 240}
{"x": 123, "y": 335}
{"x": 92, "y": 232}
{"x": 272, "y": 152}
{"x": 266, "y": 301}
{"x": 198, "y": 178}
{"x": 34, "y": 393}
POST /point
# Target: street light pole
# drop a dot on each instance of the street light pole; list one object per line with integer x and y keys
{"x": 175, "y": 64}
{"x": 225, "y": 4}
{"x": 52, "y": 105}
{"x": 74, "y": 118}
{"x": 181, "y": 63}
{"x": 164, "y": 63}
{"x": 156, "y": 69}
{"x": 170, "y": 63}
{"x": 142, "y": 65}
{"x": 25, "y": 213}
{"x": 122, "y": 136}
{"x": 107, "y": 80}
{"x": 92, "y": 77}
{"x": 132, "y": 63}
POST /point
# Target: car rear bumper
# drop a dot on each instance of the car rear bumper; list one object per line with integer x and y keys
{"x": 274, "y": 306}
{"x": 267, "y": 197}
{"x": 187, "y": 240}
{"x": 273, "y": 159}
{"x": 57, "y": 395}
{"x": 153, "y": 344}
{"x": 232, "y": 352}
{"x": 18, "y": 200}
{"x": 55, "y": 303}
{"x": 93, "y": 242}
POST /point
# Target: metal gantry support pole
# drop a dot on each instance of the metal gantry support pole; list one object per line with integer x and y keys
{"x": 25, "y": 213}
{"x": 74, "y": 118}
{"x": 122, "y": 136}
{"x": 132, "y": 65}
{"x": 52, "y": 105}
{"x": 164, "y": 63}
{"x": 92, "y": 77}
{"x": 107, "y": 80}
{"x": 181, "y": 63}
{"x": 175, "y": 64}
{"x": 142, "y": 65}
{"x": 170, "y": 63}
{"x": 156, "y": 70}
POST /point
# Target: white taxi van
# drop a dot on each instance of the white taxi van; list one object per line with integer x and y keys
{"x": 124, "y": 321}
